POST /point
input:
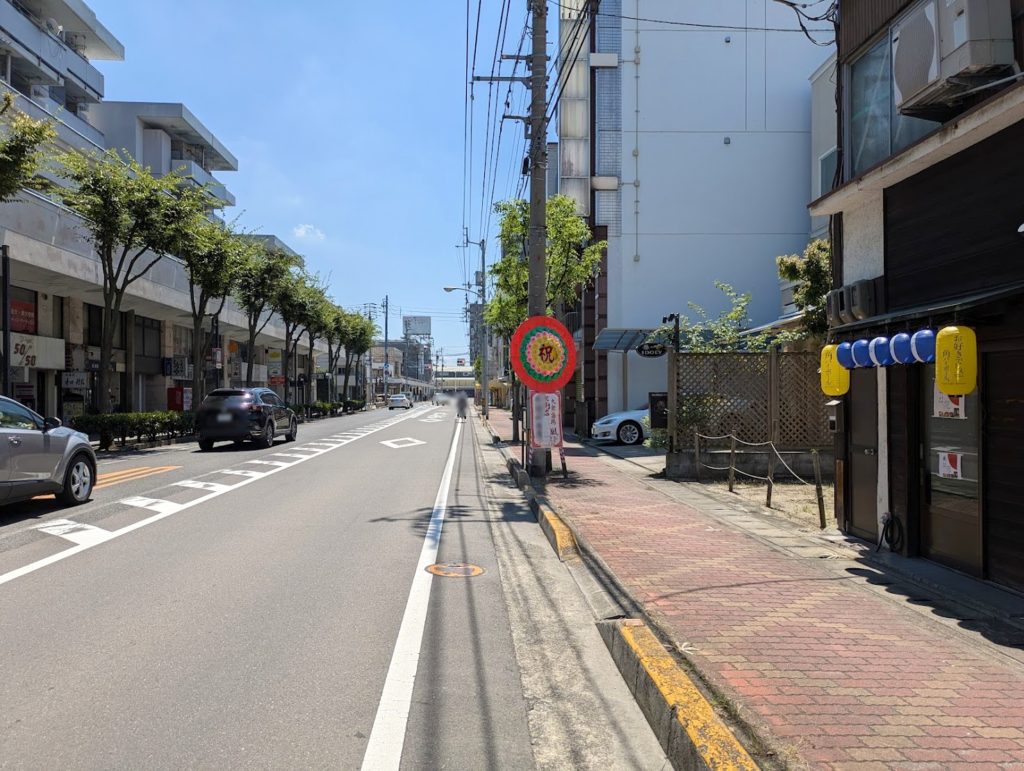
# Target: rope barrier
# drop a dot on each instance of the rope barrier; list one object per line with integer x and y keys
{"x": 752, "y": 444}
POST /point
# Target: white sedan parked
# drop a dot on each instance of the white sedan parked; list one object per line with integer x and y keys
{"x": 625, "y": 427}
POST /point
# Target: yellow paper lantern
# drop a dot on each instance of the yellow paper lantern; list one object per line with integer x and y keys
{"x": 835, "y": 378}
{"x": 956, "y": 360}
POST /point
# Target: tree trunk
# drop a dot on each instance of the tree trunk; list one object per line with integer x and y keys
{"x": 250, "y": 355}
{"x": 348, "y": 368}
{"x": 311, "y": 370}
{"x": 110, "y": 310}
{"x": 198, "y": 359}
{"x": 330, "y": 371}
{"x": 285, "y": 359}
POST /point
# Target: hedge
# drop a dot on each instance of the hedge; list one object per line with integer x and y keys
{"x": 143, "y": 426}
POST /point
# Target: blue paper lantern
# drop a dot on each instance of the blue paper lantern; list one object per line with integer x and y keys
{"x": 844, "y": 355}
{"x": 922, "y": 343}
{"x": 862, "y": 354}
{"x": 878, "y": 350}
{"x": 900, "y": 348}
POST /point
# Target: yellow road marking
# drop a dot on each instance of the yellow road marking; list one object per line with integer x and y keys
{"x": 130, "y": 475}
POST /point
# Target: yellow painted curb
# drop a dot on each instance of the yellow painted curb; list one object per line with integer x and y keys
{"x": 709, "y": 736}
{"x": 559, "y": 535}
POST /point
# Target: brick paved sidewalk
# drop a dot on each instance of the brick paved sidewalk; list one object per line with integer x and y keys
{"x": 832, "y": 675}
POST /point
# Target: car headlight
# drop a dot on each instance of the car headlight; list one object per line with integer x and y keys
{"x": 604, "y": 422}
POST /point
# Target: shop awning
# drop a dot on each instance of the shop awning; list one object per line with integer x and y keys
{"x": 620, "y": 339}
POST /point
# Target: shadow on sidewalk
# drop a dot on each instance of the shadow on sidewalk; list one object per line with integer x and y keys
{"x": 419, "y": 519}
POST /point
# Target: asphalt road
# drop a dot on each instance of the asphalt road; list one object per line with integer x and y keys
{"x": 250, "y": 608}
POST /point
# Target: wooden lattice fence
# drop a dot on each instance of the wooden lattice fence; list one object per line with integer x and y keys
{"x": 756, "y": 397}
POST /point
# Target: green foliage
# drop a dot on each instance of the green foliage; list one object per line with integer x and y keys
{"x": 22, "y": 148}
{"x": 716, "y": 335}
{"x": 259, "y": 275}
{"x": 132, "y": 219}
{"x": 478, "y": 369}
{"x": 142, "y": 426}
{"x": 572, "y": 260}
{"x": 814, "y": 272}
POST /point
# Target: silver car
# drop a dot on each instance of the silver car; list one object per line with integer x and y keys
{"x": 38, "y": 457}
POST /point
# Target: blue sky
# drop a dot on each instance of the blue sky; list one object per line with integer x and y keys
{"x": 347, "y": 122}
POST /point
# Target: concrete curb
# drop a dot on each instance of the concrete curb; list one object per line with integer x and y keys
{"x": 684, "y": 721}
{"x": 690, "y": 732}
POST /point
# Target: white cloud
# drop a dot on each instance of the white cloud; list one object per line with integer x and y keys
{"x": 308, "y": 231}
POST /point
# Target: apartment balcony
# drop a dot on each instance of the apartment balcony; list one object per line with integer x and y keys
{"x": 49, "y": 57}
{"x": 71, "y": 130}
{"x": 201, "y": 176}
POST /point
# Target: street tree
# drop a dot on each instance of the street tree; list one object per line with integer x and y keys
{"x": 813, "y": 272}
{"x": 319, "y": 315}
{"x": 335, "y": 333}
{"x": 297, "y": 295}
{"x": 23, "y": 148}
{"x": 213, "y": 254}
{"x": 572, "y": 261}
{"x": 261, "y": 272}
{"x": 132, "y": 219}
{"x": 361, "y": 332}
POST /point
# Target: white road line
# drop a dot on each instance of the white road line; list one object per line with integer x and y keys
{"x": 294, "y": 455}
{"x": 211, "y": 486}
{"x": 153, "y": 504}
{"x": 83, "y": 535}
{"x": 270, "y": 462}
{"x": 253, "y": 476}
{"x": 387, "y": 737}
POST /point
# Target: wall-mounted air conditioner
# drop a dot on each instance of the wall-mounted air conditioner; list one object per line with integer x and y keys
{"x": 860, "y": 298}
{"x": 945, "y": 47}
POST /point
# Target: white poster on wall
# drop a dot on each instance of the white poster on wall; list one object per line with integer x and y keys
{"x": 951, "y": 465}
{"x": 947, "y": 406}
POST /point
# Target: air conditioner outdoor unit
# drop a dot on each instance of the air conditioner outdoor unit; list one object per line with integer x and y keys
{"x": 945, "y": 47}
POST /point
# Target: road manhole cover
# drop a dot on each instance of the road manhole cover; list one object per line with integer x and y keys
{"x": 455, "y": 570}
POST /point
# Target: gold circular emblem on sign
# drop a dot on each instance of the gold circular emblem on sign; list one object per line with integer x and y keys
{"x": 455, "y": 570}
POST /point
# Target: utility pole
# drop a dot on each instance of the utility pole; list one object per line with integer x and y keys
{"x": 385, "y": 347}
{"x": 482, "y": 332}
{"x": 537, "y": 303}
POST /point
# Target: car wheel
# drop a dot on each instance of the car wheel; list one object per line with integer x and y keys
{"x": 267, "y": 437}
{"x": 293, "y": 431}
{"x": 205, "y": 445}
{"x": 630, "y": 433}
{"x": 78, "y": 480}
{"x": 390, "y": 408}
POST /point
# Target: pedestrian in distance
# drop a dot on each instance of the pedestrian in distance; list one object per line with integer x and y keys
{"x": 462, "y": 402}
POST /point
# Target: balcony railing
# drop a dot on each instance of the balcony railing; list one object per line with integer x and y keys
{"x": 71, "y": 129}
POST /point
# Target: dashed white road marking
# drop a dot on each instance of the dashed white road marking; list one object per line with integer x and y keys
{"x": 198, "y": 485}
{"x": 293, "y": 455}
{"x": 153, "y": 504}
{"x": 75, "y": 531}
{"x": 270, "y": 462}
{"x": 90, "y": 537}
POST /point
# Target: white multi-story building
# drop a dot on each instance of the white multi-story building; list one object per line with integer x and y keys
{"x": 56, "y": 276}
{"x": 684, "y": 136}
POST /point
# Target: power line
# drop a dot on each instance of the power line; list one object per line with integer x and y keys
{"x": 703, "y": 26}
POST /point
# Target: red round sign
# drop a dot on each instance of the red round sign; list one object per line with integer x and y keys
{"x": 543, "y": 354}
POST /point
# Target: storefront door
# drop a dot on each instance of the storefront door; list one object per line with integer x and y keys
{"x": 863, "y": 454}
{"x": 950, "y": 507}
{"x": 1003, "y": 448}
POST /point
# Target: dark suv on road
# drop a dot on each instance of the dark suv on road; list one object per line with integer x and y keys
{"x": 240, "y": 414}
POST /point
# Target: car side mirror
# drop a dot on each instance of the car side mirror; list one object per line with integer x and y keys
{"x": 51, "y": 423}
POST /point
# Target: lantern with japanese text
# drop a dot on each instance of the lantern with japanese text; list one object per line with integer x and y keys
{"x": 956, "y": 360}
{"x": 835, "y": 378}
